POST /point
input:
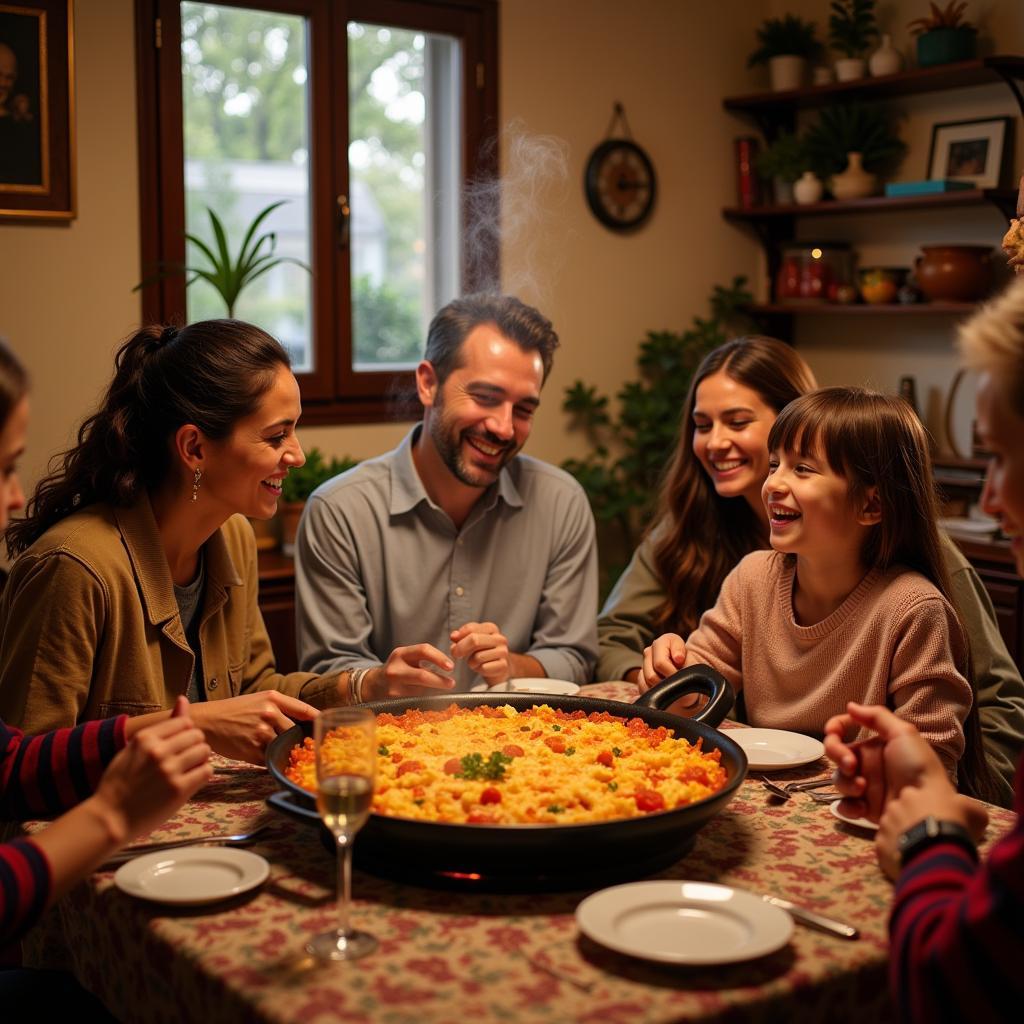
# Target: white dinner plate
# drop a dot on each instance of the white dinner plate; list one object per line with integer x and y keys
{"x": 867, "y": 823}
{"x": 527, "y": 685}
{"x": 768, "y": 749}
{"x": 192, "y": 875}
{"x": 684, "y": 922}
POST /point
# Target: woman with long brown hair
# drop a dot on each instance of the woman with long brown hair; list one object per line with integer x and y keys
{"x": 136, "y": 578}
{"x": 710, "y": 516}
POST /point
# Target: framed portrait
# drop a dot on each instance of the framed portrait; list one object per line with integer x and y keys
{"x": 37, "y": 122}
{"x": 974, "y": 151}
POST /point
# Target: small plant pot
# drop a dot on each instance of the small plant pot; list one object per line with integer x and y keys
{"x": 945, "y": 45}
{"x": 290, "y": 513}
{"x": 786, "y": 72}
{"x": 808, "y": 189}
{"x": 782, "y": 191}
{"x": 849, "y": 69}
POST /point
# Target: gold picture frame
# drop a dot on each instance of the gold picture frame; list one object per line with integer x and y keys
{"x": 37, "y": 115}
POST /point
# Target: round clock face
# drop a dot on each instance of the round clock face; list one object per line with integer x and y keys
{"x": 619, "y": 182}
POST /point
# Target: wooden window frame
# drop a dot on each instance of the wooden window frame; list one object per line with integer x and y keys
{"x": 333, "y": 392}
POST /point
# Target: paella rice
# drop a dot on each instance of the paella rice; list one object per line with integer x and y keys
{"x": 496, "y": 765}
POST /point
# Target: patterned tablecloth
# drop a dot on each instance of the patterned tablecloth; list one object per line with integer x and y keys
{"x": 463, "y": 957}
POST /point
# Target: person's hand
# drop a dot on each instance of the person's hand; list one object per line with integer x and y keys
{"x": 405, "y": 672}
{"x": 663, "y": 658}
{"x": 241, "y": 727}
{"x": 914, "y": 803}
{"x": 155, "y": 773}
{"x": 485, "y": 649}
{"x": 872, "y": 771}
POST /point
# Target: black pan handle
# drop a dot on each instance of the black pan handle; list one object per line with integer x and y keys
{"x": 695, "y": 679}
{"x": 286, "y": 804}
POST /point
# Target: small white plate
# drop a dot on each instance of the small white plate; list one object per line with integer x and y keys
{"x": 871, "y": 826}
{"x": 192, "y": 875}
{"x": 527, "y": 685}
{"x": 684, "y": 922}
{"x": 769, "y": 749}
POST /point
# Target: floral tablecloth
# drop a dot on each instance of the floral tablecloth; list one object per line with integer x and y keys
{"x": 463, "y": 957}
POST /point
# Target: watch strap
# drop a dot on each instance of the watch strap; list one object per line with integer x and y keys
{"x": 932, "y": 830}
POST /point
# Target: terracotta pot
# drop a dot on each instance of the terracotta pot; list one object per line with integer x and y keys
{"x": 955, "y": 273}
{"x": 291, "y": 513}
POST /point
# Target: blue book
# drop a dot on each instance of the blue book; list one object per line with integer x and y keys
{"x": 932, "y": 187}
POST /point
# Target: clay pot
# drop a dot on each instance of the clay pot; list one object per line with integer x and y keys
{"x": 955, "y": 273}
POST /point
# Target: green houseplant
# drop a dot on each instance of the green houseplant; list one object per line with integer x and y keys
{"x": 785, "y": 44}
{"x": 299, "y": 484}
{"x": 228, "y": 273}
{"x": 782, "y": 162}
{"x": 851, "y": 31}
{"x": 629, "y": 450}
{"x": 943, "y": 37}
{"x": 853, "y": 135}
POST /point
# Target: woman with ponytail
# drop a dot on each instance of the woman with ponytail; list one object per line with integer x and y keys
{"x": 136, "y": 580}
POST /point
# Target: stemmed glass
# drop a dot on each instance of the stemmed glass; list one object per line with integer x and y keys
{"x": 346, "y": 765}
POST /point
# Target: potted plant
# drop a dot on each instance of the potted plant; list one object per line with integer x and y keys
{"x": 943, "y": 37}
{"x": 851, "y": 31}
{"x": 785, "y": 44}
{"x": 299, "y": 484}
{"x": 782, "y": 163}
{"x": 229, "y": 274}
{"x": 853, "y": 139}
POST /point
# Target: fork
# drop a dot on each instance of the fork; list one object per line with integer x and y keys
{"x": 238, "y": 839}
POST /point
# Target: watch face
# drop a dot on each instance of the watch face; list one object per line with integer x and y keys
{"x": 620, "y": 184}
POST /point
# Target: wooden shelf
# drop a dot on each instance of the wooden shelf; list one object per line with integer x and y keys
{"x": 837, "y": 309}
{"x": 982, "y": 71}
{"x": 1004, "y": 199}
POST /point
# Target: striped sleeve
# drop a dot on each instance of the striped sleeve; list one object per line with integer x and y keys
{"x": 24, "y": 887}
{"x": 41, "y": 776}
{"x": 957, "y": 931}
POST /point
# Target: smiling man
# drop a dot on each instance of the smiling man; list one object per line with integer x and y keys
{"x": 454, "y": 559}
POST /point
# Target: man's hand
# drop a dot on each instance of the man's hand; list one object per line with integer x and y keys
{"x": 663, "y": 658}
{"x": 241, "y": 727}
{"x": 405, "y": 673}
{"x": 485, "y": 649}
{"x": 934, "y": 796}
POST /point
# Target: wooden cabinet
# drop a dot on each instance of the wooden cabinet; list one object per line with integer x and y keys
{"x": 277, "y": 603}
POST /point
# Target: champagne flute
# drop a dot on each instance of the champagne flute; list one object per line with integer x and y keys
{"x": 346, "y": 765}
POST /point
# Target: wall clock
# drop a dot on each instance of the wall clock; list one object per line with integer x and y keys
{"x": 619, "y": 181}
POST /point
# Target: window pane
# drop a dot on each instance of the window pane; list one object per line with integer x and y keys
{"x": 405, "y": 164}
{"x": 246, "y": 135}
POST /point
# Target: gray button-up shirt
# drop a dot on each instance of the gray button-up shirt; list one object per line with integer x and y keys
{"x": 378, "y": 565}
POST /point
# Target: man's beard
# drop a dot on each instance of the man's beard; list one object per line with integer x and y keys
{"x": 448, "y": 443}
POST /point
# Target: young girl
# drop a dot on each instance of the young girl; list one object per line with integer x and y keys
{"x": 853, "y": 602}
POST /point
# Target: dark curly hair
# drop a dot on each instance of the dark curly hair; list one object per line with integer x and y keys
{"x": 212, "y": 373}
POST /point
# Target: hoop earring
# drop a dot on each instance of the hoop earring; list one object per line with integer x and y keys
{"x": 195, "y": 483}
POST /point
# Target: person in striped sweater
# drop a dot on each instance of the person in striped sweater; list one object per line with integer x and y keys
{"x": 957, "y": 926}
{"x": 115, "y": 778}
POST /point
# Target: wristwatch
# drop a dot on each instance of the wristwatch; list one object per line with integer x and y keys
{"x": 932, "y": 830}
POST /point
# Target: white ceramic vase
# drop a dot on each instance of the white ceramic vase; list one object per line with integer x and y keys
{"x": 886, "y": 60}
{"x": 854, "y": 182}
{"x": 807, "y": 189}
{"x": 850, "y": 68}
{"x": 786, "y": 72}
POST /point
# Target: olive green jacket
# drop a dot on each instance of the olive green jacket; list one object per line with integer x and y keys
{"x": 89, "y": 625}
{"x": 625, "y": 628}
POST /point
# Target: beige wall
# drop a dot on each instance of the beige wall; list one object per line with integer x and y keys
{"x": 65, "y": 295}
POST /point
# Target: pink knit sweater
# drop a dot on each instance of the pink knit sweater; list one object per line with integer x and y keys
{"x": 895, "y": 641}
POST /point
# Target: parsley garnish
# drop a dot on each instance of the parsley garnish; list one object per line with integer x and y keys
{"x": 557, "y": 728}
{"x": 475, "y": 767}
{"x": 383, "y": 751}
{"x": 570, "y": 750}
{"x": 616, "y": 752}
{"x": 556, "y": 809}
{"x": 613, "y": 786}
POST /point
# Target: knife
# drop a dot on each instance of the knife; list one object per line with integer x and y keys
{"x": 812, "y": 919}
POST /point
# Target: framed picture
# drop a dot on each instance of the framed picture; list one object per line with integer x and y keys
{"x": 37, "y": 122}
{"x": 974, "y": 151}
